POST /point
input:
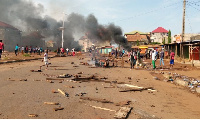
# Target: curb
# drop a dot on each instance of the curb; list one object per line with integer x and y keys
{"x": 23, "y": 60}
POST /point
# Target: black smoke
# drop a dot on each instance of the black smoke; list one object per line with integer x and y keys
{"x": 29, "y": 17}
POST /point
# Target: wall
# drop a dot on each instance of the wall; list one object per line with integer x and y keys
{"x": 137, "y": 36}
{"x": 11, "y": 39}
{"x": 158, "y": 37}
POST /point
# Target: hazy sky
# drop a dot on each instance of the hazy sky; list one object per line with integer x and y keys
{"x": 131, "y": 15}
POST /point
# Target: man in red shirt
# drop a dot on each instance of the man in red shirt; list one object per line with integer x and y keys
{"x": 1, "y": 48}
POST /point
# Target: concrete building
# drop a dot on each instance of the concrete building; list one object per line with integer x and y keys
{"x": 85, "y": 42}
{"x": 159, "y": 34}
{"x": 10, "y": 35}
{"x": 134, "y": 36}
{"x": 188, "y": 36}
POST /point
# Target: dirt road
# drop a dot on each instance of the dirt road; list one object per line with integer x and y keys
{"x": 19, "y": 98}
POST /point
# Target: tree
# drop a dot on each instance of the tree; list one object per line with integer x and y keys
{"x": 169, "y": 37}
{"x": 164, "y": 40}
{"x": 138, "y": 43}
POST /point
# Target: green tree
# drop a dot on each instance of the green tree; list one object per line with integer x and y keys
{"x": 169, "y": 37}
{"x": 164, "y": 40}
{"x": 138, "y": 43}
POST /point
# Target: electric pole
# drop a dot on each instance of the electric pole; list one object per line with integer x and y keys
{"x": 63, "y": 27}
{"x": 183, "y": 28}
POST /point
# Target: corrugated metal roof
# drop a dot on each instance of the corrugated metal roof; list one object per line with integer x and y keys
{"x": 134, "y": 32}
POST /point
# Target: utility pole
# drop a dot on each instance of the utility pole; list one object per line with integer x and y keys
{"x": 63, "y": 27}
{"x": 183, "y": 28}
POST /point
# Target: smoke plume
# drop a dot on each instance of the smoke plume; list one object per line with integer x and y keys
{"x": 29, "y": 17}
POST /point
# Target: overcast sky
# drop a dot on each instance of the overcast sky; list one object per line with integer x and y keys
{"x": 131, "y": 15}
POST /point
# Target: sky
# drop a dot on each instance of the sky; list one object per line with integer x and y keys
{"x": 131, "y": 15}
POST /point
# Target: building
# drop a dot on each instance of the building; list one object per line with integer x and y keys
{"x": 159, "y": 34}
{"x": 188, "y": 36}
{"x": 85, "y": 42}
{"x": 51, "y": 45}
{"x": 10, "y": 35}
{"x": 141, "y": 37}
{"x": 33, "y": 39}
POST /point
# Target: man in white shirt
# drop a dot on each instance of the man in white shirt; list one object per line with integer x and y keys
{"x": 22, "y": 50}
{"x": 67, "y": 50}
{"x": 153, "y": 58}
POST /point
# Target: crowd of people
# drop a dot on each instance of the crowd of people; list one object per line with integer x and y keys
{"x": 27, "y": 50}
{"x": 61, "y": 51}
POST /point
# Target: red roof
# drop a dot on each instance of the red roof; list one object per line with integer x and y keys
{"x": 160, "y": 30}
{"x": 2, "y": 24}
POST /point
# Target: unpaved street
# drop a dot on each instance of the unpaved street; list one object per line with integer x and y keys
{"x": 19, "y": 98}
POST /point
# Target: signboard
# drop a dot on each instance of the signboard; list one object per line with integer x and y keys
{"x": 178, "y": 39}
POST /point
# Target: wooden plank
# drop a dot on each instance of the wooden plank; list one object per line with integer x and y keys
{"x": 51, "y": 103}
{"x": 140, "y": 89}
{"x": 123, "y": 112}
{"x": 103, "y": 108}
{"x": 56, "y": 109}
{"x": 33, "y": 115}
{"x": 96, "y": 99}
{"x": 54, "y": 79}
{"x": 63, "y": 93}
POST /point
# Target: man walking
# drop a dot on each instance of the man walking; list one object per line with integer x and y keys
{"x": 153, "y": 58}
{"x": 162, "y": 56}
{"x": 132, "y": 59}
{"x": 16, "y": 49}
{"x": 1, "y": 48}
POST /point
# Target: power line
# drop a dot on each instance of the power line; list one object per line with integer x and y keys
{"x": 193, "y": 3}
{"x": 193, "y": 7}
{"x": 162, "y": 19}
{"x": 151, "y": 11}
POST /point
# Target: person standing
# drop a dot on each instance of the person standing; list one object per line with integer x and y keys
{"x": 162, "y": 56}
{"x": 116, "y": 52}
{"x": 132, "y": 59}
{"x": 138, "y": 58}
{"x": 67, "y": 51}
{"x": 123, "y": 52}
{"x": 1, "y": 48}
{"x": 153, "y": 59}
{"x": 172, "y": 54}
{"x": 16, "y": 49}
{"x": 22, "y": 50}
{"x": 62, "y": 51}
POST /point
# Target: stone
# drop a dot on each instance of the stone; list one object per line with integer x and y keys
{"x": 198, "y": 89}
{"x": 181, "y": 82}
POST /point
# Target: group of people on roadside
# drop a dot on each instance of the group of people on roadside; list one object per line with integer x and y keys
{"x": 61, "y": 51}
{"x": 162, "y": 55}
{"x": 119, "y": 53}
{"x": 135, "y": 58}
{"x": 27, "y": 49}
